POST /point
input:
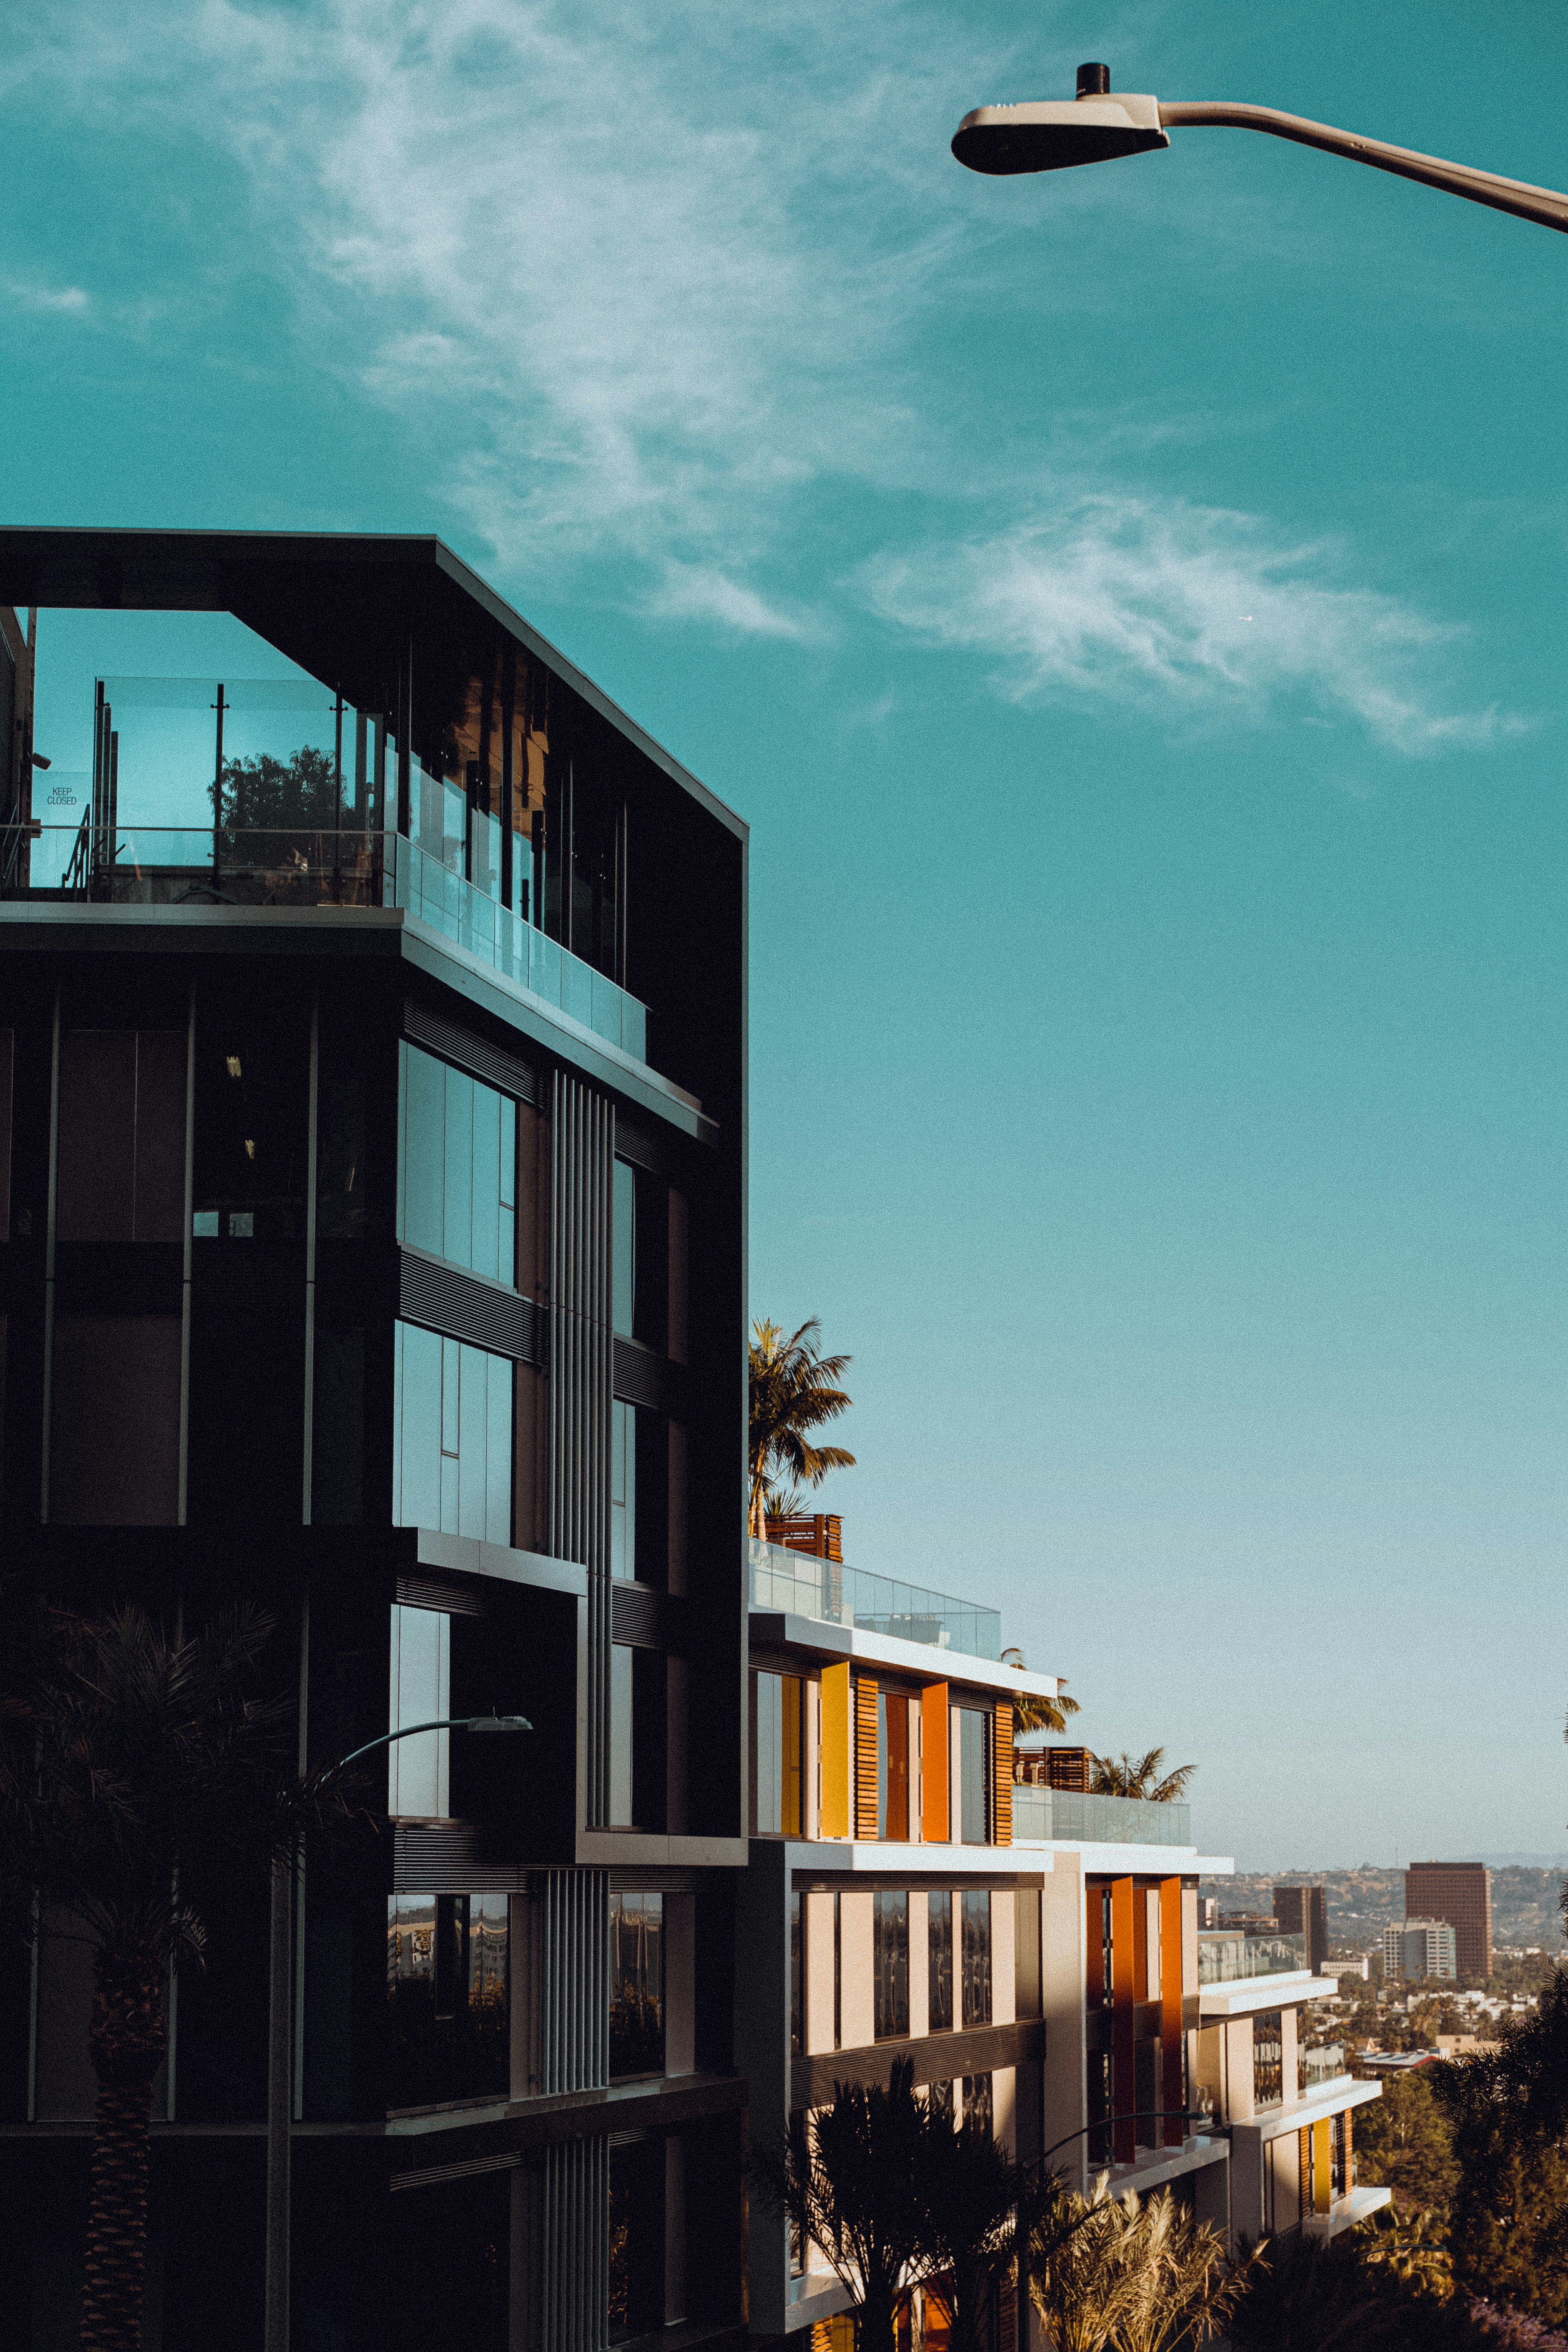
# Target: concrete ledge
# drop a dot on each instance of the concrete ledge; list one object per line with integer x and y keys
{"x": 1346, "y": 2214}
{"x": 1335, "y": 2098}
{"x": 1102, "y": 1858}
{"x": 1157, "y": 2166}
{"x": 1241, "y": 1995}
{"x": 778, "y": 1628}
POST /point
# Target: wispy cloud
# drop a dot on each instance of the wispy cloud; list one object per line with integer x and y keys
{"x": 1173, "y": 606}
{"x": 67, "y": 300}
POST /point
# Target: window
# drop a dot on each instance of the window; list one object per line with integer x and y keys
{"x": 446, "y": 1990}
{"x": 778, "y": 1722}
{"x": 796, "y": 1977}
{"x": 939, "y": 1962}
{"x": 938, "y": 2099}
{"x": 452, "y": 1436}
{"x": 122, "y": 1171}
{"x": 637, "y": 2218}
{"x": 977, "y": 1957}
{"x": 456, "y": 1167}
{"x": 626, "y": 1247}
{"x": 890, "y": 1963}
{"x": 1268, "y": 2058}
{"x": 636, "y": 1985}
{"x": 623, "y": 1488}
{"x": 972, "y": 1760}
{"x": 640, "y": 1257}
{"x": 1100, "y": 2106}
{"x": 977, "y": 2101}
{"x": 418, "y": 1769}
{"x": 622, "y": 1745}
{"x": 251, "y": 1140}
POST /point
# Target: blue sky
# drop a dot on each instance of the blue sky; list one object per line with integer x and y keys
{"x": 1129, "y": 608}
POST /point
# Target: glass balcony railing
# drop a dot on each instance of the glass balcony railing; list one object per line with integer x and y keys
{"x": 805, "y": 1586}
{"x": 1069, "y": 1814}
{"x": 255, "y": 867}
{"x": 1226, "y": 1957}
{"x": 1325, "y": 2064}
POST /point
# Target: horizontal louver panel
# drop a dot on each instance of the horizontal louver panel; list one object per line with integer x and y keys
{"x": 432, "y": 1592}
{"x": 492, "y": 1063}
{"x": 637, "y": 1615}
{"x": 643, "y": 1378}
{"x": 446, "y": 1300}
{"x": 440, "y": 1858}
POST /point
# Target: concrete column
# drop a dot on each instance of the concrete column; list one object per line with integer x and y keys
{"x": 857, "y": 1997}
{"x": 1062, "y": 1933}
{"x": 1003, "y": 2109}
{"x": 919, "y": 1963}
{"x": 1003, "y": 1991}
{"x": 818, "y": 1911}
{"x": 1240, "y": 2102}
{"x": 1289, "y": 2077}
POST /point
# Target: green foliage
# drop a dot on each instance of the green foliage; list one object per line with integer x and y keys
{"x": 1132, "y": 2275}
{"x": 1405, "y": 2141}
{"x": 1507, "y": 2112}
{"x": 1031, "y": 1711}
{"x": 265, "y": 794}
{"x": 1307, "y": 2294}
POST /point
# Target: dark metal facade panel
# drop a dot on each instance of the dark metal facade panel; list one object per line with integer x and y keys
{"x": 582, "y": 1241}
{"x": 441, "y": 1858}
{"x": 641, "y": 1377}
{"x": 936, "y": 2057}
{"x": 444, "y": 1299}
{"x": 457, "y": 1597}
{"x": 498, "y": 1069}
{"x": 637, "y": 1614}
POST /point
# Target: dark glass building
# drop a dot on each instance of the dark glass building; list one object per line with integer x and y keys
{"x": 372, "y": 1243}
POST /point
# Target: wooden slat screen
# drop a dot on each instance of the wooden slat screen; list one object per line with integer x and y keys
{"x": 821, "y": 1533}
{"x": 1002, "y": 1772}
{"x": 865, "y": 1759}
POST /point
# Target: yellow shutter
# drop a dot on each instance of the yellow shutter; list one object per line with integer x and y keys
{"x": 836, "y": 1753}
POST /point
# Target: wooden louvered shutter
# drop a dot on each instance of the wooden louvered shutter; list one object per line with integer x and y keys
{"x": 865, "y": 1759}
{"x": 1002, "y": 1773}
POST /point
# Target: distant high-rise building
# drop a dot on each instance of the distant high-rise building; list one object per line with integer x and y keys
{"x": 1460, "y": 1892}
{"x": 1303, "y": 1911}
{"x": 1419, "y": 1948}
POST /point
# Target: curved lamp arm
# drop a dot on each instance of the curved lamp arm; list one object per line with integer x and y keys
{"x": 1517, "y": 196}
{"x": 442, "y": 1723}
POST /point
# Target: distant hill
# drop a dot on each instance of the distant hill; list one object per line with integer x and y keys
{"x": 1362, "y": 1903}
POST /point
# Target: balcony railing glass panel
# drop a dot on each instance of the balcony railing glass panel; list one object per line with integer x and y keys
{"x": 332, "y": 866}
{"x": 1226, "y": 1957}
{"x": 1068, "y": 1813}
{"x": 1325, "y": 2064}
{"x": 805, "y": 1586}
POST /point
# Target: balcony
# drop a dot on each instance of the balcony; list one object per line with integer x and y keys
{"x": 1227, "y": 1957}
{"x": 1325, "y": 2064}
{"x": 294, "y": 869}
{"x": 1066, "y": 1815}
{"x": 801, "y": 1585}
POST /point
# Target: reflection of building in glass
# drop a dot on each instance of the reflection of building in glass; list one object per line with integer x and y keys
{"x": 447, "y": 1992}
{"x": 636, "y": 1985}
{"x": 1303, "y": 1911}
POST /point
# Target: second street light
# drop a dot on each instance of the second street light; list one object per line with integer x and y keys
{"x": 1100, "y": 124}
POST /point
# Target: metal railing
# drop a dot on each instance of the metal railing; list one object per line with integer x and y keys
{"x": 231, "y": 866}
{"x": 803, "y": 1585}
{"x": 1068, "y": 1815}
{"x": 1227, "y": 1957}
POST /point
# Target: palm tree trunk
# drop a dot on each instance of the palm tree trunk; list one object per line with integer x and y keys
{"x": 127, "y": 2039}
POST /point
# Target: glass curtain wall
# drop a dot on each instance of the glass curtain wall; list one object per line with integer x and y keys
{"x": 456, "y": 1167}
{"x": 976, "y": 1956}
{"x": 447, "y": 1998}
{"x": 452, "y": 1425}
{"x": 939, "y": 1962}
{"x": 779, "y": 1715}
{"x": 636, "y": 1985}
{"x": 890, "y": 1963}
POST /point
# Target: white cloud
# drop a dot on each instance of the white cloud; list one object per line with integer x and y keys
{"x": 67, "y": 299}
{"x": 1159, "y": 603}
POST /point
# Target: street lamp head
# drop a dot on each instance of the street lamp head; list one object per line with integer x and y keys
{"x": 499, "y": 1723}
{"x": 1053, "y": 133}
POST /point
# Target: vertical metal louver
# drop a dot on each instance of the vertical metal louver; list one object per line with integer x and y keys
{"x": 574, "y": 2020}
{"x": 583, "y": 1146}
{"x": 575, "y": 2280}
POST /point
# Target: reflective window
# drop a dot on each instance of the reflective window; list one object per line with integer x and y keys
{"x": 447, "y": 1989}
{"x": 778, "y": 1726}
{"x": 938, "y": 2099}
{"x": 976, "y": 1956}
{"x": 890, "y": 1962}
{"x": 456, "y": 1167}
{"x": 972, "y": 1744}
{"x": 622, "y": 1813}
{"x": 977, "y": 2101}
{"x": 636, "y": 1985}
{"x": 623, "y": 1488}
{"x": 626, "y": 1247}
{"x": 939, "y": 1962}
{"x": 418, "y": 1769}
{"x": 796, "y": 1976}
{"x": 1268, "y": 2058}
{"x": 451, "y": 1437}
{"x": 252, "y": 1105}
{"x": 641, "y": 1256}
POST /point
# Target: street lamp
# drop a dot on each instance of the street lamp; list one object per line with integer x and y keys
{"x": 280, "y": 2030}
{"x": 1100, "y": 123}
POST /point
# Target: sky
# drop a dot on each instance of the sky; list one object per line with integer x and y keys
{"x": 1129, "y": 607}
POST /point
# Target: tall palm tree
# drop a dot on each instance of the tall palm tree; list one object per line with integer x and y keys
{"x": 974, "y": 2200}
{"x": 1031, "y": 1711}
{"x": 1140, "y": 1776}
{"x": 791, "y": 1393}
{"x": 134, "y": 1767}
{"x": 849, "y": 2179}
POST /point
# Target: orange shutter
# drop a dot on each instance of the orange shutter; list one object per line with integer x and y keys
{"x": 865, "y": 1759}
{"x": 793, "y": 1822}
{"x": 933, "y": 1764}
{"x": 1175, "y": 2129}
{"x": 1002, "y": 1772}
{"x": 1124, "y": 2015}
{"x": 836, "y": 1751}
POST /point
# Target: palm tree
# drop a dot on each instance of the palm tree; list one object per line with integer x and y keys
{"x": 975, "y": 2200}
{"x": 1140, "y": 1776}
{"x": 134, "y": 1767}
{"x": 848, "y": 2179}
{"x": 1131, "y": 2276}
{"x": 792, "y": 1392}
{"x": 1031, "y": 1712}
